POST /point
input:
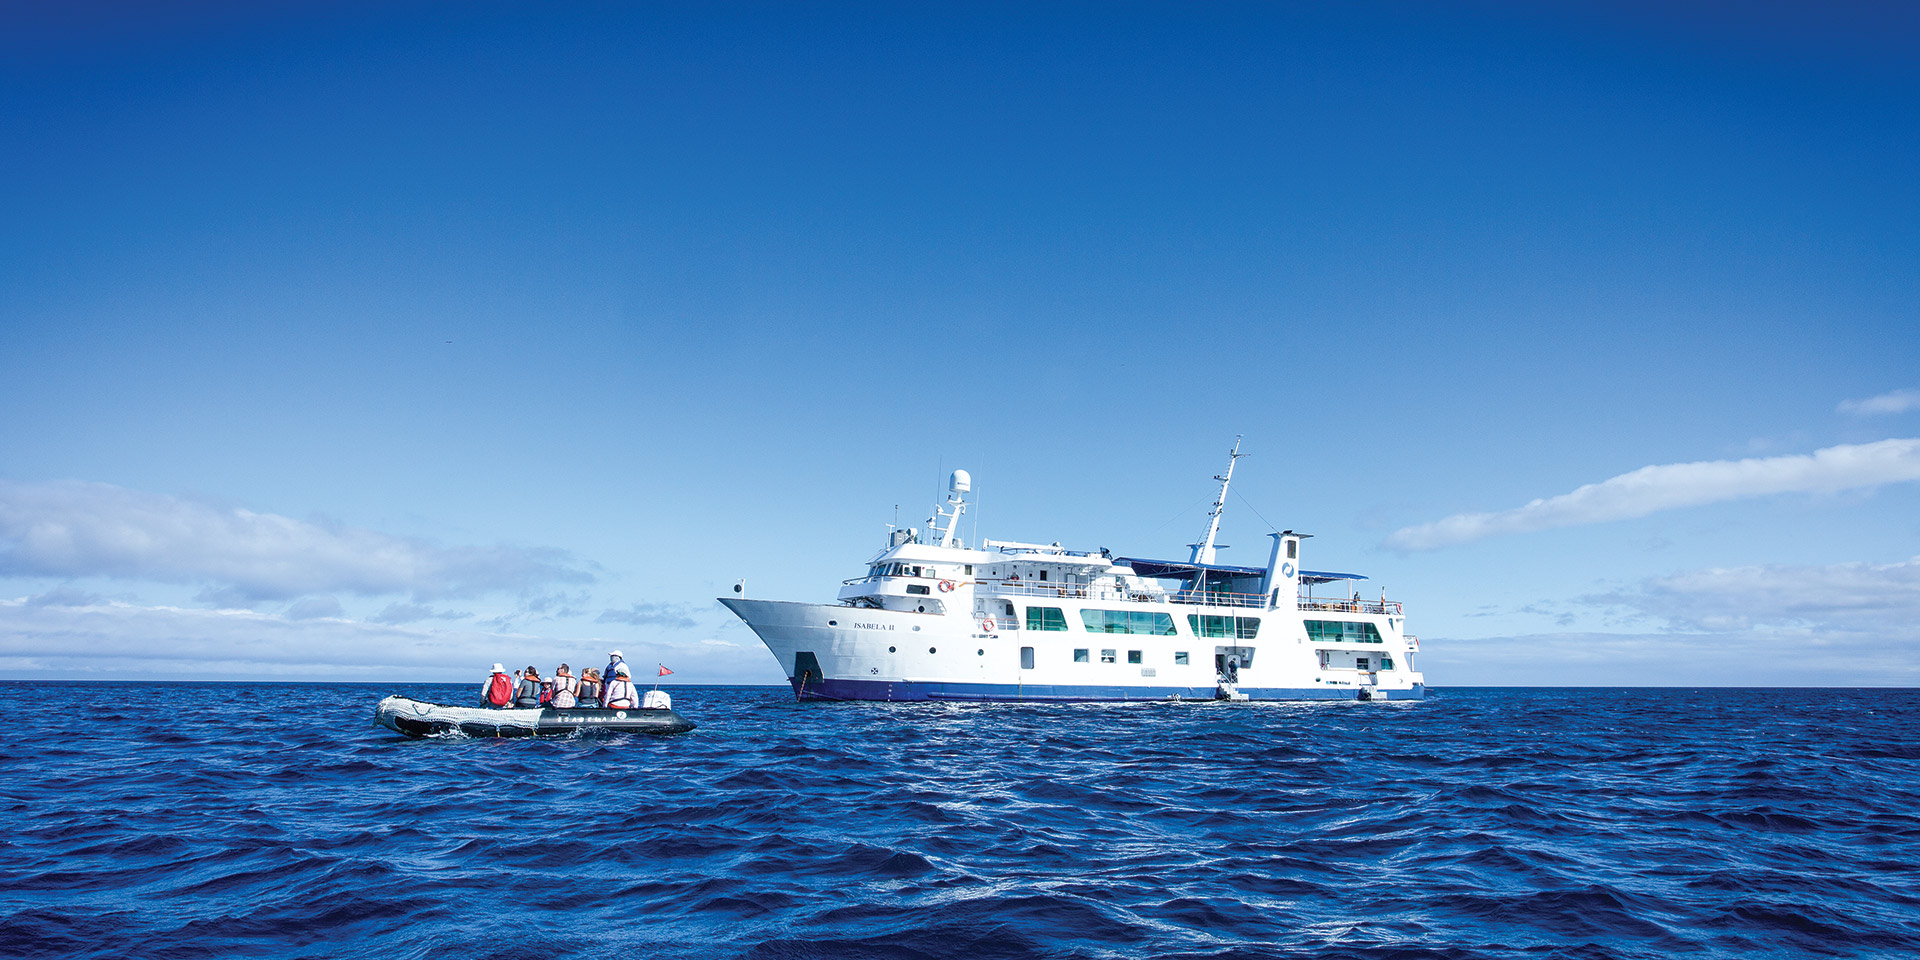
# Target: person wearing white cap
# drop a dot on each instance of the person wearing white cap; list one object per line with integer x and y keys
{"x": 497, "y": 691}
{"x": 613, "y": 663}
{"x": 620, "y": 692}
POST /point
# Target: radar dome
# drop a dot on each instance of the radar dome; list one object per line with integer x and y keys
{"x": 961, "y": 482}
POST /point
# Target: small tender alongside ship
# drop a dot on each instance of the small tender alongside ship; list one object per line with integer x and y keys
{"x": 936, "y": 619}
{"x": 419, "y": 718}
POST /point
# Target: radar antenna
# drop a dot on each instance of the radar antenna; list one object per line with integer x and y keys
{"x": 1204, "y": 550}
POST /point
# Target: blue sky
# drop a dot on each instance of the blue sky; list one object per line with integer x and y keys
{"x": 386, "y": 341}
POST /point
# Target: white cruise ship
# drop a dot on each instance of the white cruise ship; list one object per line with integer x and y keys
{"x": 935, "y": 619}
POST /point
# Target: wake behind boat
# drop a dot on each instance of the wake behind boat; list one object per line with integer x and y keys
{"x": 419, "y": 718}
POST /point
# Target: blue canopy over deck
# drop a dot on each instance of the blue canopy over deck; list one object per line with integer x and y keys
{"x": 1214, "y": 572}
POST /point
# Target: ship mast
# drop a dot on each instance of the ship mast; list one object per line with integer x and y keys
{"x": 1203, "y": 551}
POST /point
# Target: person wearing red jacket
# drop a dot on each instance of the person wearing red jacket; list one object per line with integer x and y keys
{"x": 497, "y": 691}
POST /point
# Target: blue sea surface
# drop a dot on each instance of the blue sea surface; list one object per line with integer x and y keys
{"x": 210, "y": 820}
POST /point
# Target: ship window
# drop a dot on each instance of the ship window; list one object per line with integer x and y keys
{"x": 917, "y": 588}
{"x": 1046, "y": 618}
{"x": 1080, "y": 655}
{"x": 1133, "y": 656}
{"x": 1142, "y": 622}
{"x": 1026, "y": 658}
{"x": 1107, "y": 656}
{"x": 1360, "y": 663}
{"x": 1180, "y": 658}
{"x": 933, "y": 649}
{"x": 1342, "y": 631}
{"x": 969, "y": 569}
{"x": 916, "y": 571}
{"x": 1386, "y": 663}
{"x": 893, "y": 649}
{"x": 1293, "y": 549}
{"x": 1223, "y": 627}
{"x": 1043, "y": 574}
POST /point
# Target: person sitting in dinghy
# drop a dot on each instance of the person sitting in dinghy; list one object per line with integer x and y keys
{"x": 566, "y": 689}
{"x": 589, "y": 692}
{"x": 528, "y": 693}
{"x": 497, "y": 690}
{"x": 620, "y": 692}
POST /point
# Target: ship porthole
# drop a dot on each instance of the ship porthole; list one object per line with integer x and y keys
{"x": 921, "y": 609}
{"x": 893, "y": 649}
{"x": 982, "y": 651}
{"x": 833, "y": 623}
{"x": 933, "y": 650}
{"x": 916, "y": 629}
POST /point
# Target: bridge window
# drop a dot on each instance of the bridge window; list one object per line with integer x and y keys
{"x": 1342, "y": 631}
{"x": 917, "y": 588}
{"x": 1046, "y": 618}
{"x": 1142, "y": 622}
{"x": 1223, "y": 627}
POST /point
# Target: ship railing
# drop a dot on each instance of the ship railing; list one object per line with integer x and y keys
{"x": 1081, "y": 591}
{"x": 1389, "y": 607}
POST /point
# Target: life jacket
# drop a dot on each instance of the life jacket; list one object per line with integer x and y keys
{"x": 563, "y": 692}
{"x": 500, "y": 690}
{"x": 529, "y": 693}
{"x": 621, "y": 690}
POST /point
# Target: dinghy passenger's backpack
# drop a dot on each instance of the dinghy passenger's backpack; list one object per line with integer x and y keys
{"x": 500, "y": 691}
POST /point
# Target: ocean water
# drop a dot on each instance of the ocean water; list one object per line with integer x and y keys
{"x": 205, "y": 820}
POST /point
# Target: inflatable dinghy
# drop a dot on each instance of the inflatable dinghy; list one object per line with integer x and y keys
{"x": 417, "y": 718}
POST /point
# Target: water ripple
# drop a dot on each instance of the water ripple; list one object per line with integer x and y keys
{"x": 214, "y": 820}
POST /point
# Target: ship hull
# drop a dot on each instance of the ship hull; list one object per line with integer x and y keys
{"x": 837, "y": 652}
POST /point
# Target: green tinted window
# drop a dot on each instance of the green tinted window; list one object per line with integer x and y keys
{"x": 1144, "y": 622}
{"x": 1223, "y": 627}
{"x": 1046, "y": 618}
{"x": 1342, "y": 631}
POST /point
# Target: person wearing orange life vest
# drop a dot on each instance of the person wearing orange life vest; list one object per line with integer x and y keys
{"x": 620, "y": 693}
{"x": 566, "y": 689}
{"x": 497, "y": 691}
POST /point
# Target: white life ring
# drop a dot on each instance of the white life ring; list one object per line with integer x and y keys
{"x": 946, "y": 586}
{"x": 987, "y": 624}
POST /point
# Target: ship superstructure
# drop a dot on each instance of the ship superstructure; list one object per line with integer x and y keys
{"x": 936, "y": 619}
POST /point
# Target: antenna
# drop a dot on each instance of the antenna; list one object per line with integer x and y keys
{"x": 1204, "y": 550}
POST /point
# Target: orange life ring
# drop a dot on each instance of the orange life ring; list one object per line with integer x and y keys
{"x": 946, "y": 586}
{"x": 987, "y": 624}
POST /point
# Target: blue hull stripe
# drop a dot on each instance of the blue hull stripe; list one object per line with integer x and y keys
{"x": 902, "y": 690}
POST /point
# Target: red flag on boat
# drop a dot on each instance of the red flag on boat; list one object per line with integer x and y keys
{"x": 664, "y": 671}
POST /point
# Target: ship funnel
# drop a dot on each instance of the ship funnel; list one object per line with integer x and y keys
{"x": 961, "y": 482}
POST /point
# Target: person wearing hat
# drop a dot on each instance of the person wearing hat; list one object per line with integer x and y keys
{"x": 497, "y": 691}
{"x": 620, "y": 692}
{"x": 527, "y": 694}
{"x": 613, "y": 663}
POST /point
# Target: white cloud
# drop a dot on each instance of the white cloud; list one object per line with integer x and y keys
{"x": 1896, "y": 401}
{"x": 78, "y": 529}
{"x": 670, "y": 615}
{"x": 1831, "y": 601}
{"x": 1671, "y": 486}
{"x": 1842, "y": 624}
{"x": 76, "y": 636}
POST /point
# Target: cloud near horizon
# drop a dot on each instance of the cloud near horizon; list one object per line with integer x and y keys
{"x": 1672, "y": 486}
{"x": 81, "y": 529}
{"x": 68, "y": 634}
{"x": 1893, "y": 401}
